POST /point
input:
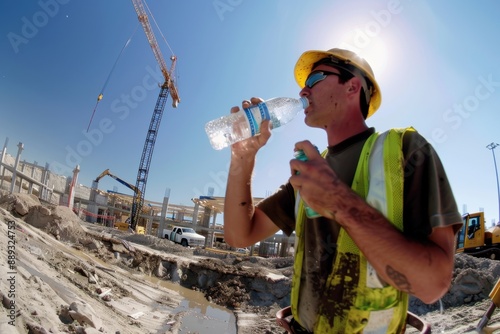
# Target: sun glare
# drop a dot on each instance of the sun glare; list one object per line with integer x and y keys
{"x": 375, "y": 52}
{"x": 377, "y": 56}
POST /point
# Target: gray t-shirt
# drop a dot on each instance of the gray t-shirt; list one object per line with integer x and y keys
{"x": 428, "y": 203}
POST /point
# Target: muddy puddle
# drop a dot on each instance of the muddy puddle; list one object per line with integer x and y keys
{"x": 198, "y": 314}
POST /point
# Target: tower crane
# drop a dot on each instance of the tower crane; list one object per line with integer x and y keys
{"x": 168, "y": 87}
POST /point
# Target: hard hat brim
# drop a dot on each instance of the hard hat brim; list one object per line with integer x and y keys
{"x": 304, "y": 65}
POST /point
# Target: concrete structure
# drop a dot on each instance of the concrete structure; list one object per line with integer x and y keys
{"x": 96, "y": 206}
{"x": 109, "y": 208}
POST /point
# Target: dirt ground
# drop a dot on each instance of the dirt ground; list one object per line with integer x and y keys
{"x": 61, "y": 275}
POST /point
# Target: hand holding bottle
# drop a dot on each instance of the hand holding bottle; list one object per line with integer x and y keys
{"x": 246, "y": 123}
{"x": 318, "y": 184}
{"x": 254, "y": 143}
{"x": 302, "y": 156}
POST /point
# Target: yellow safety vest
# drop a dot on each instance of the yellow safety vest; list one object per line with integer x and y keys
{"x": 365, "y": 304}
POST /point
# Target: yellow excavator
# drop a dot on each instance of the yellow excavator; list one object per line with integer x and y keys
{"x": 124, "y": 226}
{"x": 474, "y": 239}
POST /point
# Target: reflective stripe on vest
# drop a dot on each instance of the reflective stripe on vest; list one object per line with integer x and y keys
{"x": 358, "y": 302}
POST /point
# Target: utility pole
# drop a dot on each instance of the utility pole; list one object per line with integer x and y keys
{"x": 492, "y": 147}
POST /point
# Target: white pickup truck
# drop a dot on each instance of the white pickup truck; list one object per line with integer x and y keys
{"x": 185, "y": 236}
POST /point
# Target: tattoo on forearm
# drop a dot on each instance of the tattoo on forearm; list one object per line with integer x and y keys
{"x": 399, "y": 280}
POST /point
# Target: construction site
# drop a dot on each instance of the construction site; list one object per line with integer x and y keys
{"x": 81, "y": 259}
{"x": 113, "y": 209}
{"x": 80, "y": 238}
{"x": 73, "y": 276}
{"x": 84, "y": 234}
{"x": 110, "y": 208}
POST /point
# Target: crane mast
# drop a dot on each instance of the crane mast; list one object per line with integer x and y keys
{"x": 168, "y": 87}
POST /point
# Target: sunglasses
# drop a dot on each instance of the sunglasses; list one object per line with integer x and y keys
{"x": 318, "y": 76}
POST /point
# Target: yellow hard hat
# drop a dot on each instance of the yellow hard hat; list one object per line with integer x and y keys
{"x": 344, "y": 58}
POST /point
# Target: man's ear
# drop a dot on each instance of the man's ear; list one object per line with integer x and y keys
{"x": 354, "y": 85}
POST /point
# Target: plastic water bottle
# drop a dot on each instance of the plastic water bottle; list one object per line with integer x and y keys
{"x": 310, "y": 213}
{"x": 227, "y": 130}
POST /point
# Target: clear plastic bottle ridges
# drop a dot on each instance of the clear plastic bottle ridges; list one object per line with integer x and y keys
{"x": 310, "y": 213}
{"x": 232, "y": 128}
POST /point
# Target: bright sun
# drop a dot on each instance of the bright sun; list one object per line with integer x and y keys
{"x": 372, "y": 41}
{"x": 376, "y": 55}
{"x": 374, "y": 50}
{"x": 373, "y": 47}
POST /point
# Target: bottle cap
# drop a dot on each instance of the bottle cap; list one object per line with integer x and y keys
{"x": 300, "y": 155}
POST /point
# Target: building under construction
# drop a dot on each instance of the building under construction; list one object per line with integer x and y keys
{"x": 112, "y": 209}
{"x": 109, "y": 208}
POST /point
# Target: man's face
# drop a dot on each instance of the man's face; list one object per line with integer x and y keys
{"x": 326, "y": 96}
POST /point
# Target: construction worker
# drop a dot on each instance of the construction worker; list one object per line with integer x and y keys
{"x": 388, "y": 215}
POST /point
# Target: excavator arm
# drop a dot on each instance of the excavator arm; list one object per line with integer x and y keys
{"x": 125, "y": 183}
{"x": 137, "y": 191}
{"x": 103, "y": 174}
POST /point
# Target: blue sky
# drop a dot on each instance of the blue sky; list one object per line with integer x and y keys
{"x": 436, "y": 64}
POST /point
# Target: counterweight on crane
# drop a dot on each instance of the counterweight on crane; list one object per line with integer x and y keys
{"x": 168, "y": 87}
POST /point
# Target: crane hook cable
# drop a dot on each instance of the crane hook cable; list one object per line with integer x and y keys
{"x": 161, "y": 33}
{"x": 100, "y": 96}
{"x": 156, "y": 24}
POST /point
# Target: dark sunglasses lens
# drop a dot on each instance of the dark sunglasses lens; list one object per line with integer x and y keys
{"x": 314, "y": 78}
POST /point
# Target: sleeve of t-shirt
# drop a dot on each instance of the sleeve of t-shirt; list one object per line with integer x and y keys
{"x": 429, "y": 202}
{"x": 280, "y": 208}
